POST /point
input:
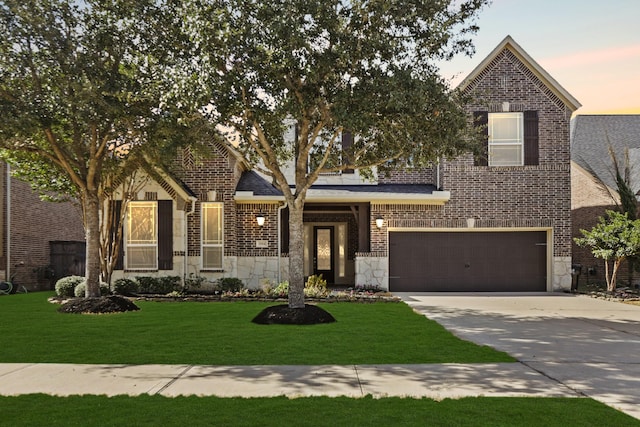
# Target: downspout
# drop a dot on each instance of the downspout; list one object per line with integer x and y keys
{"x": 186, "y": 239}
{"x": 279, "y": 237}
{"x": 8, "y": 224}
{"x": 438, "y": 174}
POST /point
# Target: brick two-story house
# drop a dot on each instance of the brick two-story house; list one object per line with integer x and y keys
{"x": 498, "y": 222}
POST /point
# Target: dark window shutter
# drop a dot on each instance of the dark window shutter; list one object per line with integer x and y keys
{"x": 347, "y": 142}
{"x": 117, "y": 212}
{"x": 284, "y": 231}
{"x": 531, "y": 146}
{"x": 481, "y": 119}
{"x": 165, "y": 234}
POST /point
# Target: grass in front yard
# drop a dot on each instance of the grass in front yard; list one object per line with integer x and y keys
{"x": 30, "y": 410}
{"x": 221, "y": 333}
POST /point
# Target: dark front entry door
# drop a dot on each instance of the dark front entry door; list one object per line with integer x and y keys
{"x": 323, "y": 256}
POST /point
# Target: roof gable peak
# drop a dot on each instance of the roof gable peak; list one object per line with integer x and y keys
{"x": 509, "y": 44}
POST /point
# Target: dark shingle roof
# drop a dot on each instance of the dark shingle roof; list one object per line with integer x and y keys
{"x": 591, "y": 137}
{"x": 252, "y": 181}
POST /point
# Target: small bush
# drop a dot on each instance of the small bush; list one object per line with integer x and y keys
{"x": 316, "y": 287}
{"x": 229, "y": 284}
{"x": 125, "y": 286}
{"x": 65, "y": 287}
{"x": 81, "y": 289}
{"x": 158, "y": 285}
{"x": 282, "y": 290}
{"x": 193, "y": 282}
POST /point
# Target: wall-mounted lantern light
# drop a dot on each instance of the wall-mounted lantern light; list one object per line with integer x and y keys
{"x": 379, "y": 222}
{"x": 260, "y": 219}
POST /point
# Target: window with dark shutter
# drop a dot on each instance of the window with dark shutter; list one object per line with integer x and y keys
{"x": 481, "y": 119}
{"x": 117, "y": 211}
{"x": 347, "y": 142}
{"x": 165, "y": 234}
{"x": 531, "y": 145}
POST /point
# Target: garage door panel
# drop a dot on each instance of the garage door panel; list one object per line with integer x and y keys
{"x": 467, "y": 261}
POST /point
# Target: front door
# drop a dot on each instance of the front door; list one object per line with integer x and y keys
{"x": 323, "y": 252}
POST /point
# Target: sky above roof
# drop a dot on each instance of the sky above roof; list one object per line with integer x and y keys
{"x": 592, "y": 48}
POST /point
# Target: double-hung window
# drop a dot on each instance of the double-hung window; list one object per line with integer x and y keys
{"x": 142, "y": 235}
{"x": 506, "y": 139}
{"x": 212, "y": 235}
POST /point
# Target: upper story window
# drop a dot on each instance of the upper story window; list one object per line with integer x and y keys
{"x": 212, "y": 235}
{"x": 335, "y": 158}
{"x": 142, "y": 236}
{"x": 506, "y": 139}
{"x": 511, "y": 138}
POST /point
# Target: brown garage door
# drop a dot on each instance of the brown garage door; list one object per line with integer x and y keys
{"x": 468, "y": 261}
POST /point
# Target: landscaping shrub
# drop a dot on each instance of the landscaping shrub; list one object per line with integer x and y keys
{"x": 282, "y": 290}
{"x": 316, "y": 287}
{"x": 81, "y": 289}
{"x": 158, "y": 285}
{"x": 193, "y": 282}
{"x": 229, "y": 284}
{"x": 126, "y": 287}
{"x": 65, "y": 287}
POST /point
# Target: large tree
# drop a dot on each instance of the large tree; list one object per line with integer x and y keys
{"x": 327, "y": 67}
{"x": 80, "y": 95}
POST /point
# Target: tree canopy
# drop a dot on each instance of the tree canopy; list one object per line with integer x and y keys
{"x": 80, "y": 95}
{"x": 325, "y": 68}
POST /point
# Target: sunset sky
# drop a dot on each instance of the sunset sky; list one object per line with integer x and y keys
{"x": 592, "y": 48}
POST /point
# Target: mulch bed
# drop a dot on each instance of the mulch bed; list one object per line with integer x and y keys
{"x": 283, "y": 315}
{"x": 101, "y": 305}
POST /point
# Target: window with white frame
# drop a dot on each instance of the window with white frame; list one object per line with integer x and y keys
{"x": 212, "y": 235}
{"x": 506, "y": 139}
{"x": 142, "y": 236}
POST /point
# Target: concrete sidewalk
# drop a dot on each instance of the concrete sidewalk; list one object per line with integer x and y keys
{"x": 436, "y": 381}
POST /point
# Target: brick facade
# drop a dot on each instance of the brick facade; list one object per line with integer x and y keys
{"x": 34, "y": 224}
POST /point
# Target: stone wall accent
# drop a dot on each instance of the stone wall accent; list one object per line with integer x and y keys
{"x": 372, "y": 269}
{"x": 254, "y": 270}
{"x": 561, "y": 274}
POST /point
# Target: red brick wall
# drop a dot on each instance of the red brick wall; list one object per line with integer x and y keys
{"x": 535, "y": 195}
{"x": 525, "y": 196}
{"x": 35, "y": 223}
{"x": 218, "y": 173}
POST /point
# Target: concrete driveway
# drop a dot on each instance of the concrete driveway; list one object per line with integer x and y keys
{"x": 589, "y": 345}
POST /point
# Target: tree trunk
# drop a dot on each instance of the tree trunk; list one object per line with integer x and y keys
{"x": 91, "y": 208}
{"x": 296, "y": 255}
{"x": 611, "y": 284}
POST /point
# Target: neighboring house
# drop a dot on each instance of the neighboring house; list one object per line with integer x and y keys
{"x": 593, "y": 184}
{"x": 500, "y": 222}
{"x": 41, "y": 241}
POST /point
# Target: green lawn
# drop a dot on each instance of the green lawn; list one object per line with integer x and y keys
{"x": 221, "y": 333}
{"x": 40, "y": 410}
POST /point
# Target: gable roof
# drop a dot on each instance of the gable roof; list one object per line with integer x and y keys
{"x": 591, "y": 137}
{"x": 510, "y": 45}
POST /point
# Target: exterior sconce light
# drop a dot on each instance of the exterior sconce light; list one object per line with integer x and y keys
{"x": 260, "y": 219}
{"x": 379, "y": 222}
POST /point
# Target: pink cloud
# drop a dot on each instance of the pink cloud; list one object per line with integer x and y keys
{"x": 592, "y": 57}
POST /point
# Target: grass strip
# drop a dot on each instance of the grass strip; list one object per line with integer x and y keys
{"x": 221, "y": 333}
{"x": 30, "y": 410}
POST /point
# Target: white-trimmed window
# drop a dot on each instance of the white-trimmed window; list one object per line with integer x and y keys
{"x": 142, "y": 236}
{"x": 212, "y": 230}
{"x": 506, "y": 139}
